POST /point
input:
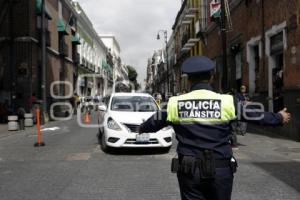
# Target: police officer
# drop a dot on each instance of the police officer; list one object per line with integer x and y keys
{"x": 201, "y": 120}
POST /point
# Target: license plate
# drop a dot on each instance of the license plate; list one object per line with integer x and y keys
{"x": 142, "y": 138}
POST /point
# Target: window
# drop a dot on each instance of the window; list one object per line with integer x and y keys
{"x": 248, "y": 2}
{"x": 257, "y": 67}
{"x": 133, "y": 104}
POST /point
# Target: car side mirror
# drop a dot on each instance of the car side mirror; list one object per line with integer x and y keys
{"x": 102, "y": 108}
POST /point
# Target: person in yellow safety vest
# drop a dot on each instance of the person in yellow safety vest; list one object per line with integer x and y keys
{"x": 201, "y": 120}
{"x": 158, "y": 99}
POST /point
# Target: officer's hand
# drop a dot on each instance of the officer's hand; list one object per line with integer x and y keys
{"x": 285, "y": 116}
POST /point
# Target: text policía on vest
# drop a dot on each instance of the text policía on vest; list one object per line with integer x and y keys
{"x": 200, "y": 108}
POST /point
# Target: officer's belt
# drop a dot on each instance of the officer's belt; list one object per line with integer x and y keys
{"x": 219, "y": 163}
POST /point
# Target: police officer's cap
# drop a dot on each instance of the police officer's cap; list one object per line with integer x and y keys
{"x": 197, "y": 65}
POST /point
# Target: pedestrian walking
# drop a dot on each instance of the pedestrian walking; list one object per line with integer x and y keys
{"x": 31, "y": 101}
{"x": 201, "y": 120}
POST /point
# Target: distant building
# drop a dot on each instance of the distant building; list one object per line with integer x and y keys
{"x": 156, "y": 73}
{"x": 92, "y": 57}
{"x": 119, "y": 71}
{"x": 186, "y": 40}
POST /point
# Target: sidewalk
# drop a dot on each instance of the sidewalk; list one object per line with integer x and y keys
{"x": 5, "y": 133}
{"x": 284, "y": 148}
{"x": 290, "y": 131}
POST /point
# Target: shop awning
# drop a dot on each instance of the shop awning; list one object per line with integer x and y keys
{"x": 61, "y": 26}
{"x": 38, "y": 9}
{"x": 106, "y": 67}
{"x": 75, "y": 40}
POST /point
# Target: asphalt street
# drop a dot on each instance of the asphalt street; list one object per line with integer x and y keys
{"x": 72, "y": 167}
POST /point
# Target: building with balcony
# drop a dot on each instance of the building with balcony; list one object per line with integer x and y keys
{"x": 119, "y": 71}
{"x": 173, "y": 81}
{"x": 92, "y": 57}
{"x": 186, "y": 40}
{"x": 20, "y": 63}
{"x": 157, "y": 73}
{"x": 73, "y": 48}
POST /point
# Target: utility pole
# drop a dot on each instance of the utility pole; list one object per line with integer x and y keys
{"x": 12, "y": 58}
{"x": 44, "y": 72}
{"x": 167, "y": 61}
{"x": 224, "y": 46}
{"x": 263, "y": 70}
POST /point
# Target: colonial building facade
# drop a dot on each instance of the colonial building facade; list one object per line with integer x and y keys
{"x": 119, "y": 71}
{"x": 185, "y": 40}
{"x": 73, "y": 49}
{"x": 262, "y": 51}
{"x": 157, "y": 73}
{"x": 263, "y": 54}
{"x": 92, "y": 58}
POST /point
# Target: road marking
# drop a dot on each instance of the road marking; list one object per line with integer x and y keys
{"x": 78, "y": 156}
{"x": 51, "y": 129}
{"x": 240, "y": 156}
{"x": 97, "y": 149}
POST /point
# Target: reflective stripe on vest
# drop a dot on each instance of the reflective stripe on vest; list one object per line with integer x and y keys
{"x": 201, "y": 106}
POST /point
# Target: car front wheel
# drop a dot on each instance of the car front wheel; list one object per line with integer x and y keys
{"x": 104, "y": 146}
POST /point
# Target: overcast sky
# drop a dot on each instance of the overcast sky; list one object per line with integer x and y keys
{"x": 135, "y": 24}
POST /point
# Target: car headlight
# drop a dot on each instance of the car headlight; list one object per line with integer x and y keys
{"x": 166, "y": 128}
{"x": 112, "y": 124}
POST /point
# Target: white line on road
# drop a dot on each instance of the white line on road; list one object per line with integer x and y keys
{"x": 51, "y": 129}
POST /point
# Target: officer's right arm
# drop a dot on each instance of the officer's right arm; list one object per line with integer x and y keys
{"x": 157, "y": 121}
{"x": 154, "y": 123}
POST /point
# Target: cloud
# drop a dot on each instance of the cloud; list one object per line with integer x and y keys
{"x": 135, "y": 24}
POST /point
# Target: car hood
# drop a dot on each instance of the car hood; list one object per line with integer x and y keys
{"x": 131, "y": 117}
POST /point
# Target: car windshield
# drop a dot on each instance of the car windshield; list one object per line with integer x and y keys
{"x": 133, "y": 104}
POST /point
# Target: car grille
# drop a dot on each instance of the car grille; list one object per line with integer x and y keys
{"x": 133, "y": 128}
{"x": 133, "y": 141}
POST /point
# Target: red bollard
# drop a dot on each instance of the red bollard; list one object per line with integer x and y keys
{"x": 38, "y": 126}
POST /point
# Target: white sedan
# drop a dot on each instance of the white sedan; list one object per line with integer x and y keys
{"x": 120, "y": 118}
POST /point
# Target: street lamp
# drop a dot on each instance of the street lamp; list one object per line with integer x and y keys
{"x": 167, "y": 56}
